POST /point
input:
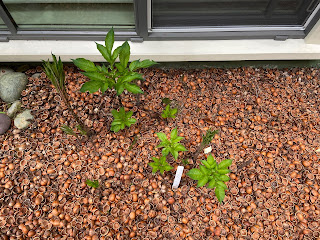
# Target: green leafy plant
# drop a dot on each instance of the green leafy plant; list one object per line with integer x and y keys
{"x": 118, "y": 76}
{"x": 121, "y": 119}
{"x": 212, "y": 173}
{"x": 169, "y": 112}
{"x": 171, "y": 146}
{"x": 56, "y": 75}
{"x": 185, "y": 161}
{"x": 94, "y": 183}
{"x": 207, "y": 138}
{"x": 160, "y": 164}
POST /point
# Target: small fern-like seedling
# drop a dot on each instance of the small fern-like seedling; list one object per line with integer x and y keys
{"x": 171, "y": 146}
{"x": 94, "y": 183}
{"x": 121, "y": 120}
{"x": 160, "y": 164}
{"x": 206, "y": 139}
{"x": 68, "y": 130}
{"x": 212, "y": 173}
{"x": 169, "y": 112}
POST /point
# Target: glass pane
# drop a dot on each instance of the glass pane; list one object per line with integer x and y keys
{"x": 2, "y": 24}
{"x": 71, "y": 14}
{"x": 212, "y": 13}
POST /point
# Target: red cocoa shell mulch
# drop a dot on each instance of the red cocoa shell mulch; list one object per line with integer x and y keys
{"x": 268, "y": 122}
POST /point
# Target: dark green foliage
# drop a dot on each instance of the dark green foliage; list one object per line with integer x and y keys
{"x": 94, "y": 183}
{"x": 68, "y": 130}
{"x": 206, "y": 139}
{"x": 171, "y": 146}
{"x": 160, "y": 164}
{"x": 116, "y": 76}
{"x": 212, "y": 173}
{"x": 169, "y": 112}
{"x": 121, "y": 120}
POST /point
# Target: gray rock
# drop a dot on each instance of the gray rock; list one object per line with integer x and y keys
{"x": 14, "y": 108}
{"x": 23, "y": 119}
{"x": 36, "y": 75}
{"x": 5, "y": 123}
{"x": 11, "y": 86}
{"x": 5, "y": 70}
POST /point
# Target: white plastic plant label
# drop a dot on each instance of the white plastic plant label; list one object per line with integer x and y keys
{"x": 318, "y": 150}
{"x": 178, "y": 176}
{"x": 207, "y": 150}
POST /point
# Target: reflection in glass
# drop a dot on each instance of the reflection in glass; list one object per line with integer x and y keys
{"x": 213, "y": 13}
{"x": 71, "y": 14}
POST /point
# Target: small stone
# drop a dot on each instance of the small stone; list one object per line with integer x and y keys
{"x": 5, "y": 123}
{"x": 14, "y": 108}
{"x": 207, "y": 150}
{"x": 22, "y": 120}
{"x": 11, "y": 86}
{"x": 36, "y": 75}
{"x": 5, "y": 70}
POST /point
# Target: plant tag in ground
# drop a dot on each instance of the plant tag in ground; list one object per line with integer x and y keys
{"x": 318, "y": 150}
{"x": 207, "y": 150}
{"x": 177, "y": 178}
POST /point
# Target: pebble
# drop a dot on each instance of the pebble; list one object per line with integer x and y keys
{"x": 11, "y": 86}
{"x": 5, "y": 123}
{"x": 22, "y": 120}
{"x": 14, "y": 108}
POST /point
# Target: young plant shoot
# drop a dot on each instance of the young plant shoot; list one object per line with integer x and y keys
{"x": 56, "y": 75}
{"x": 121, "y": 119}
{"x": 212, "y": 173}
{"x": 118, "y": 76}
{"x": 94, "y": 183}
{"x": 171, "y": 146}
{"x": 160, "y": 164}
{"x": 169, "y": 112}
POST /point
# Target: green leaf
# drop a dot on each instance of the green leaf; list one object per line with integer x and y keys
{"x": 84, "y": 64}
{"x": 95, "y": 76}
{"x": 165, "y": 151}
{"x": 205, "y": 163}
{"x": 166, "y": 101}
{"x": 223, "y": 171}
{"x": 180, "y": 148}
{"x": 175, "y": 154}
{"x": 174, "y": 134}
{"x": 133, "y": 88}
{"x": 224, "y": 178}
{"x": 224, "y": 164}
{"x": 68, "y": 130}
{"x": 143, "y": 64}
{"x": 204, "y": 170}
{"x": 212, "y": 183}
{"x": 177, "y": 139}
{"x": 91, "y": 86}
{"x": 120, "y": 67}
{"x": 203, "y": 181}
{"x": 195, "y": 174}
{"x": 160, "y": 164}
{"x": 208, "y": 137}
{"x": 121, "y": 119}
{"x": 109, "y": 41}
{"x": 130, "y": 78}
{"x": 81, "y": 130}
{"x": 124, "y": 54}
{"x": 222, "y": 184}
{"x": 104, "y": 52}
{"x": 162, "y": 136}
{"x": 220, "y": 193}
{"x": 94, "y": 184}
{"x": 115, "y": 53}
{"x": 211, "y": 160}
{"x": 134, "y": 65}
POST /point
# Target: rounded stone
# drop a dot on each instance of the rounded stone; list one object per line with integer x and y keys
{"x": 5, "y": 123}
{"x": 5, "y": 70}
{"x": 23, "y": 119}
{"x": 11, "y": 86}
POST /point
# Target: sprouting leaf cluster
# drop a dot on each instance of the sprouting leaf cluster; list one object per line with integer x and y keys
{"x": 212, "y": 173}
{"x": 68, "y": 130}
{"x": 169, "y": 112}
{"x": 122, "y": 119}
{"x": 114, "y": 75}
{"x": 171, "y": 145}
{"x": 160, "y": 164}
{"x": 94, "y": 183}
{"x": 206, "y": 139}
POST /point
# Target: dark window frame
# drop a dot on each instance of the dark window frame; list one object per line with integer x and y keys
{"x": 143, "y": 32}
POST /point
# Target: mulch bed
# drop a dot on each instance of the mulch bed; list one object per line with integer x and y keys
{"x": 268, "y": 122}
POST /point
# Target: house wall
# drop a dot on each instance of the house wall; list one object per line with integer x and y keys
{"x": 171, "y": 51}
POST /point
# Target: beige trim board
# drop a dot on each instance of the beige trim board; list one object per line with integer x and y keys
{"x": 165, "y": 51}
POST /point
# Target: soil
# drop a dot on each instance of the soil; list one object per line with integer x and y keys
{"x": 268, "y": 122}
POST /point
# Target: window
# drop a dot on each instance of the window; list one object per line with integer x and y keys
{"x": 139, "y": 20}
